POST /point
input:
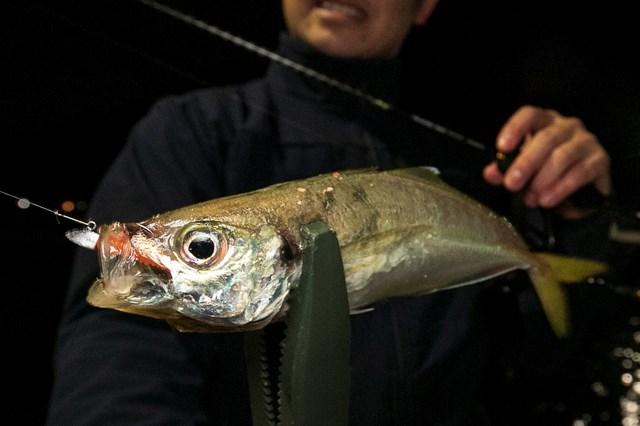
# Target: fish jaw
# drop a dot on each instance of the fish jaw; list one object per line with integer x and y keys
{"x": 166, "y": 271}
{"x": 129, "y": 279}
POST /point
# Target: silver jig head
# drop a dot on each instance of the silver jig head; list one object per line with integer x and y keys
{"x": 85, "y": 237}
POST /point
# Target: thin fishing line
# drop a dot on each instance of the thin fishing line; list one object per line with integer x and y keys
{"x": 264, "y": 52}
{"x": 24, "y": 203}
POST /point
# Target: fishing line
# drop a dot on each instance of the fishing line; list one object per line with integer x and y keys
{"x": 309, "y": 72}
{"x": 24, "y": 203}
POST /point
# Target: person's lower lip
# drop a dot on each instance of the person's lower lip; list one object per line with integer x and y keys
{"x": 341, "y": 8}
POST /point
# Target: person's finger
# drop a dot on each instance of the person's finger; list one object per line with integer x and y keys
{"x": 526, "y": 120}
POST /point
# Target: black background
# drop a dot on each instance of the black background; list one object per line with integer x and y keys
{"x": 76, "y": 76}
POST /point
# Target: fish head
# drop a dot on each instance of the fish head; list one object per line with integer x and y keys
{"x": 198, "y": 275}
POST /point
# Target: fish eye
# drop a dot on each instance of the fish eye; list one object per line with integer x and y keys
{"x": 200, "y": 245}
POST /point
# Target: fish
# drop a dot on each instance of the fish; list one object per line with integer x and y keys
{"x": 231, "y": 263}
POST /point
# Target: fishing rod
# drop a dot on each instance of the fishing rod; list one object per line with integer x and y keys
{"x": 314, "y": 74}
{"x": 587, "y": 196}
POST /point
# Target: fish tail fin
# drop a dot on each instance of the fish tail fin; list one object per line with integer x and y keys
{"x": 547, "y": 277}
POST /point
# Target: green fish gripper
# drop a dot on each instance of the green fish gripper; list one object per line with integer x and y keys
{"x": 315, "y": 373}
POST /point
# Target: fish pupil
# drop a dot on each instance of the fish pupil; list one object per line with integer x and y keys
{"x": 202, "y": 248}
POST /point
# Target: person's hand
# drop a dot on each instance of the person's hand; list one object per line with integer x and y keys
{"x": 557, "y": 156}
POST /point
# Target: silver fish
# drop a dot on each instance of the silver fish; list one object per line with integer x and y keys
{"x": 230, "y": 263}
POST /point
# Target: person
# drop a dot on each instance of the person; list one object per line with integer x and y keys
{"x": 414, "y": 360}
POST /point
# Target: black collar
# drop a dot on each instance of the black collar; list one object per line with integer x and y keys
{"x": 377, "y": 77}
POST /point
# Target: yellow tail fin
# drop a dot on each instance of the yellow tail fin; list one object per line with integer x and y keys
{"x": 547, "y": 277}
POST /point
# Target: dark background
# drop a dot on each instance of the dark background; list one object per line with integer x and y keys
{"x": 76, "y": 76}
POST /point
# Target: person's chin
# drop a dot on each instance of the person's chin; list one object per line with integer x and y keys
{"x": 333, "y": 43}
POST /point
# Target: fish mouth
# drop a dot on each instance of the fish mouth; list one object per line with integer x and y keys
{"x": 128, "y": 278}
{"x": 141, "y": 286}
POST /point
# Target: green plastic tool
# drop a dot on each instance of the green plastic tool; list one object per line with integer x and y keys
{"x": 311, "y": 384}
